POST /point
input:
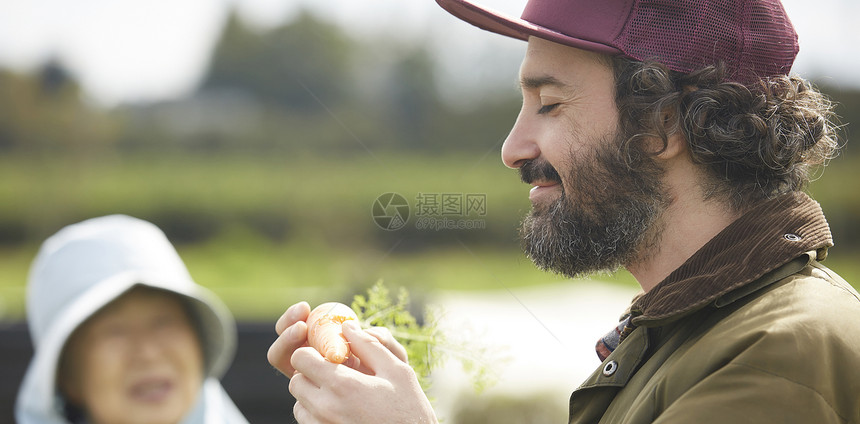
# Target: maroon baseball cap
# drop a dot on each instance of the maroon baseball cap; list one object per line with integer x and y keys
{"x": 754, "y": 38}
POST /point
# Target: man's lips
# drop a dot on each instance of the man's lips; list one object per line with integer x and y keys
{"x": 542, "y": 188}
{"x": 543, "y": 183}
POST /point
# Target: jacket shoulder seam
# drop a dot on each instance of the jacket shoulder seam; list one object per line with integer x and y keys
{"x": 834, "y": 280}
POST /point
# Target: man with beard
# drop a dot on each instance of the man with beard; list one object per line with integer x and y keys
{"x": 670, "y": 139}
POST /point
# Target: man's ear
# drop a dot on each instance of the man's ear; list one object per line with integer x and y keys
{"x": 676, "y": 143}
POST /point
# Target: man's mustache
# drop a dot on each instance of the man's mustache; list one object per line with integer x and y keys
{"x": 538, "y": 170}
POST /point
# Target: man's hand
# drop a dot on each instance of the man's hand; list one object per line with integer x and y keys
{"x": 383, "y": 389}
{"x": 292, "y": 333}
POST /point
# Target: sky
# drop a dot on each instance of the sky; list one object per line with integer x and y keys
{"x": 148, "y": 50}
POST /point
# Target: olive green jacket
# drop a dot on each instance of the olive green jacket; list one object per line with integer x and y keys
{"x": 751, "y": 329}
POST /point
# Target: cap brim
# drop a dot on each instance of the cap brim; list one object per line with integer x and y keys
{"x": 494, "y": 21}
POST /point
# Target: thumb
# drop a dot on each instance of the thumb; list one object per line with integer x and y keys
{"x": 369, "y": 350}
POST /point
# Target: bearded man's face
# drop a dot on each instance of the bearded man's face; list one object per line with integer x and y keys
{"x": 605, "y": 217}
{"x": 593, "y": 210}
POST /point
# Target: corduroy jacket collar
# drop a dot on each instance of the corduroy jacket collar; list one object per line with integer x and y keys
{"x": 763, "y": 239}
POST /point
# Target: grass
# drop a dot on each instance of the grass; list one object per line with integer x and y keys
{"x": 332, "y": 195}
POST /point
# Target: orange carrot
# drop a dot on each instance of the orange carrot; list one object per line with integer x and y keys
{"x": 325, "y": 333}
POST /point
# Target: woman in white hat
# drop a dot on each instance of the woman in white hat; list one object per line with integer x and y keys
{"x": 122, "y": 334}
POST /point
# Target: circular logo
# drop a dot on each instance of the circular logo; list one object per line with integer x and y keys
{"x": 390, "y": 211}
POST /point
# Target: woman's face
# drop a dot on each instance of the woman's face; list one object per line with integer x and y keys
{"x": 138, "y": 360}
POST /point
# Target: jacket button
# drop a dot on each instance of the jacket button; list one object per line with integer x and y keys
{"x": 610, "y": 368}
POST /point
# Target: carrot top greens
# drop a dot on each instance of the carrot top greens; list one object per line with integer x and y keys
{"x": 426, "y": 346}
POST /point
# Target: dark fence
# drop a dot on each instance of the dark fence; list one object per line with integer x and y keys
{"x": 260, "y": 391}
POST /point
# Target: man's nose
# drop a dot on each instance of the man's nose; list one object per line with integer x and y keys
{"x": 520, "y": 146}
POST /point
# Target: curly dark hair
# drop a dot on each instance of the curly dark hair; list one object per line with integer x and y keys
{"x": 754, "y": 142}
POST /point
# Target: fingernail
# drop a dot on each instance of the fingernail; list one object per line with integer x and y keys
{"x": 352, "y": 325}
{"x": 291, "y": 311}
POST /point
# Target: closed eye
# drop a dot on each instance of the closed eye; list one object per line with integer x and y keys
{"x": 547, "y": 108}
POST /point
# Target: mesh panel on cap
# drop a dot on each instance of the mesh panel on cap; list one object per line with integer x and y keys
{"x": 767, "y": 48}
{"x": 688, "y": 35}
{"x": 683, "y": 35}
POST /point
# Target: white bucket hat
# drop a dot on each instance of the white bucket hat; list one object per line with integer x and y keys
{"x": 87, "y": 265}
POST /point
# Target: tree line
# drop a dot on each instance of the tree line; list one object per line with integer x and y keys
{"x": 304, "y": 86}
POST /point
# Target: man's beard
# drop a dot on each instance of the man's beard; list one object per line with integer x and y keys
{"x": 609, "y": 219}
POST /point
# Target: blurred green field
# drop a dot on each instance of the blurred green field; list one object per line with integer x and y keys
{"x": 266, "y": 231}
